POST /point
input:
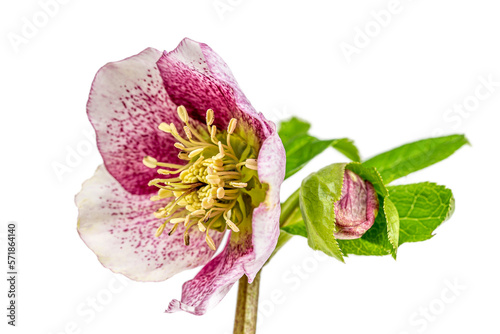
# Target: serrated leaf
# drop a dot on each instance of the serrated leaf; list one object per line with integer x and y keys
{"x": 415, "y": 156}
{"x": 301, "y": 147}
{"x": 370, "y": 174}
{"x": 321, "y": 190}
{"x": 392, "y": 219}
{"x": 318, "y": 192}
{"x": 373, "y": 242}
{"x": 422, "y": 207}
{"x": 346, "y": 147}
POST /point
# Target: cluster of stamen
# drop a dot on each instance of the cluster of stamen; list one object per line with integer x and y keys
{"x": 206, "y": 189}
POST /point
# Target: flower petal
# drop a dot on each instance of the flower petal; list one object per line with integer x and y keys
{"x": 215, "y": 279}
{"x": 127, "y": 102}
{"x": 247, "y": 251}
{"x": 360, "y": 216}
{"x": 119, "y": 227}
{"x": 265, "y": 222}
{"x": 196, "y": 77}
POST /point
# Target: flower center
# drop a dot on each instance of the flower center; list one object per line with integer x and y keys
{"x": 208, "y": 190}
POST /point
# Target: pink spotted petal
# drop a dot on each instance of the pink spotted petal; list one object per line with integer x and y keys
{"x": 196, "y": 77}
{"x": 215, "y": 279}
{"x": 244, "y": 253}
{"x": 119, "y": 227}
{"x": 127, "y": 102}
{"x": 265, "y": 222}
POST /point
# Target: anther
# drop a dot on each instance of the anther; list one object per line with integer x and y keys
{"x": 179, "y": 146}
{"x": 251, "y": 164}
{"x": 183, "y": 156}
{"x": 213, "y": 179}
{"x": 213, "y": 132}
{"x": 159, "y": 231}
{"x": 149, "y": 161}
{"x": 198, "y": 213}
{"x": 182, "y": 112}
{"x": 173, "y": 130}
{"x": 220, "y": 193}
{"x": 210, "y": 242}
{"x": 210, "y": 117}
{"x": 164, "y": 193}
{"x": 207, "y": 203}
{"x": 159, "y": 213}
{"x": 219, "y": 156}
{"x": 164, "y": 127}
{"x": 172, "y": 230}
{"x": 188, "y": 133}
{"x": 177, "y": 220}
{"x": 201, "y": 227}
{"x": 231, "y": 126}
{"x": 186, "y": 239}
{"x": 232, "y": 226}
{"x": 221, "y": 150}
{"x": 195, "y": 152}
{"x": 238, "y": 184}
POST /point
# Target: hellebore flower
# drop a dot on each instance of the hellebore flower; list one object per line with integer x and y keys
{"x": 357, "y": 208}
{"x": 182, "y": 115}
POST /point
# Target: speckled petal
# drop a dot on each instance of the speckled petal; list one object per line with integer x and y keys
{"x": 215, "y": 279}
{"x": 245, "y": 253}
{"x": 265, "y": 222}
{"x": 119, "y": 227}
{"x": 198, "y": 78}
{"x": 127, "y": 102}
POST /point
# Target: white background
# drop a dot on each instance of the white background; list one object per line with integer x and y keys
{"x": 287, "y": 57}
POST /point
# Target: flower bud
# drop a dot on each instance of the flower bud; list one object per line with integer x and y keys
{"x": 357, "y": 208}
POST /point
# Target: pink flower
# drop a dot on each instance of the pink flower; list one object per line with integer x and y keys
{"x": 153, "y": 210}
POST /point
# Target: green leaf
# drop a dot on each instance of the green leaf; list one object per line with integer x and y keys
{"x": 298, "y": 228}
{"x": 392, "y": 218}
{"x": 415, "y": 156}
{"x": 293, "y": 127}
{"x": 317, "y": 194}
{"x": 373, "y": 242}
{"x": 346, "y": 147}
{"x": 422, "y": 207}
{"x": 371, "y": 174}
{"x": 301, "y": 147}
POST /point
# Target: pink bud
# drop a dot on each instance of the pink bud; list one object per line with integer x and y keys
{"x": 356, "y": 210}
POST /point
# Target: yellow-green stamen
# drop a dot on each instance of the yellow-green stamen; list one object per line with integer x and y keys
{"x": 205, "y": 190}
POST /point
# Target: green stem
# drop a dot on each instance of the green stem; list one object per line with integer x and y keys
{"x": 245, "y": 320}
